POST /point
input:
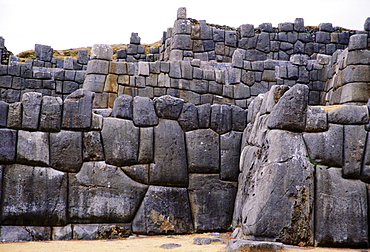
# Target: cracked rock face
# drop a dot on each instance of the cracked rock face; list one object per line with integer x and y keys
{"x": 278, "y": 202}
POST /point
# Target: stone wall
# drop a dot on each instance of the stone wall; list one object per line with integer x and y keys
{"x": 217, "y": 127}
{"x": 150, "y": 166}
{"x": 304, "y": 172}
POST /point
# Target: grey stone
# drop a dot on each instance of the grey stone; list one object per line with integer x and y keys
{"x": 96, "y": 66}
{"x": 15, "y": 115}
{"x": 100, "y": 231}
{"x": 165, "y": 210}
{"x": 365, "y": 169}
{"x": 238, "y": 118}
{"x": 322, "y": 37}
{"x": 77, "y": 110}
{"x": 94, "y": 82}
{"x": 3, "y": 113}
{"x": 8, "y": 145}
{"x": 229, "y": 155}
{"x": 168, "y": 107}
{"x": 272, "y": 97}
{"x": 367, "y": 24}
{"x": 139, "y": 173}
{"x": 188, "y": 118}
{"x": 144, "y": 112}
{"x": 122, "y": 54}
{"x": 62, "y": 233}
{"x": 221, "y": 118}
{"x": 31, "y": 104}
{"x": 290, "y": 111}
{"x": 279, "y": 210}
{"x": 237, "y": 59}
{"x": 33, "y": 147}
{"x": 358, "y": 57}
{"x": 316, "y": 119}
{"x": 103, "y": 193}
{"x": 204, "y": 115}
{"x": 24, "y": 233}
{"x": 170, "y": 165}
{"x": 263, "y": 42}
{"x": 341, "y": 208}
{"x": 120, "y": 141}
{"x": 83, "y": 56}
{"x": 299, "y": 24}
{"x": 247, "y": 30}
{"x": 349, "y": 114}
{"x": 353, "y": 150}
{"x": 266, "y": 27}
{"x": 66, "y": 151}
{"x": 6, "y": 81}
{"x": 170, "y": 246}
{"x": 181, "y": 41}
{"x": 146, "y": 151}
{"x": 51, "y": 113}
{"x": 92, "y": 146}
{"x": 135, "y": 39}
{"x": 34, "y": 196}
{"x": 205, "y": 30}
{"x": 245, "y": 245}
{"x": 43, "y": 52}
{"x": 328, "y": 27}
{"x": 355, "y": 93}
{"x": 206, "y": 240}
{"x": 186, "y": 70}
{"x": 203, "y": 147}
{"x": 326, "y": 148}
{"x": 357, "y": 42}
{"x": 230, "y": 38}
{"x": 101, "y": 52}
{"x": 211, "y": 201}
{"x": 254, "y": 55}
{"x": 123, "y": 107}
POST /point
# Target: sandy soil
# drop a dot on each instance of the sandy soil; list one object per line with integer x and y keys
{"x": 147, "y": 244}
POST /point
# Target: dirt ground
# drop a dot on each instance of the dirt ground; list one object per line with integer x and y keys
{"x": 141, "y": 243}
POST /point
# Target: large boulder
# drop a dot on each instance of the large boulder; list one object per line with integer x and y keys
{"x": 341, "y": 210}
{"x": 212, "y": 202}
{"x": 326, "y": 148}
{"x": 8, "y": 145}
{"x": 34, "y": 196}
{"x": 144, "y": 112}
{"x": 120, "y": 141}
{"x": 103, "y": 193}
{"x": 229, "y": 155}
{"x": 170, "y": 164}
{"x": 290, "y": 111}
{"x": 203, "y": 147}
{"x": 122, "y": 107}
{"x": 31, "y": 105}
{"x": 168, "y": 107}
{"x": 279, "y": 201}
{"x": 165, "y": 210}
{"x": 77, "y": 110}
{"x": 66, "y": 150}
{"x": 24, "y": 233}
{"x": 33, "y": 147}
{"x": 51, "y": 113}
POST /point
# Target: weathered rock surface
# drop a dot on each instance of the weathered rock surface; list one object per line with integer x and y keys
{"x": 146, "y": 147}
{"x": 8, "y": 145}
{"x": 221, "y": 118}
{"x": 326, "y": 148}
{"x": 245, "y": 245}
{"x": 66, "y": 150}
{"x": 189, "y": 117}
{"x": 206, "y": 240}
{"x": 203, "y": 147}
{"x": 165, "y": 210}
{"x": 144, "y": 112}
{"x": 316, "y": 119}
{"x": 92, "y": 146}
{"x": 229, "y": 155}
{"x": 349, "y": 114}
{"x": 100, "y": 231}
{"x": 33, "y": 148}
{"x": 103, "y": 193}
{"x": 123, "y": 107}
{"x": 77, "y": 110}
{"x": 34, "y": 196}
{"x": 168, "y": 107}
{"x": 3, "y": 113}
{"x": 341, "y": 210}
{"x": 31, "y": 104}
{"x": 212, "y": 202}
{"x": 139, "y": 173}
{"x": 290, "y": 111}
{"x": 120, "y": 141}
{"x": 353, "y": 150}
{"x": 24, "y": 233}
{"x": 170, "y": 164}
{"x": 279, "y": 191}
{"x": 51, "y": 113}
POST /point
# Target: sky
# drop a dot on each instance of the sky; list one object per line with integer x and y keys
{"x": 79, "y": 23}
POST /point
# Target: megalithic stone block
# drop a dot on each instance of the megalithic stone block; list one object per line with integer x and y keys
{"x": 51, "y": 113}
{"x": 77, "y": 110}
{"x": 31, "y": 103}
{"x": 8, "y": 145}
